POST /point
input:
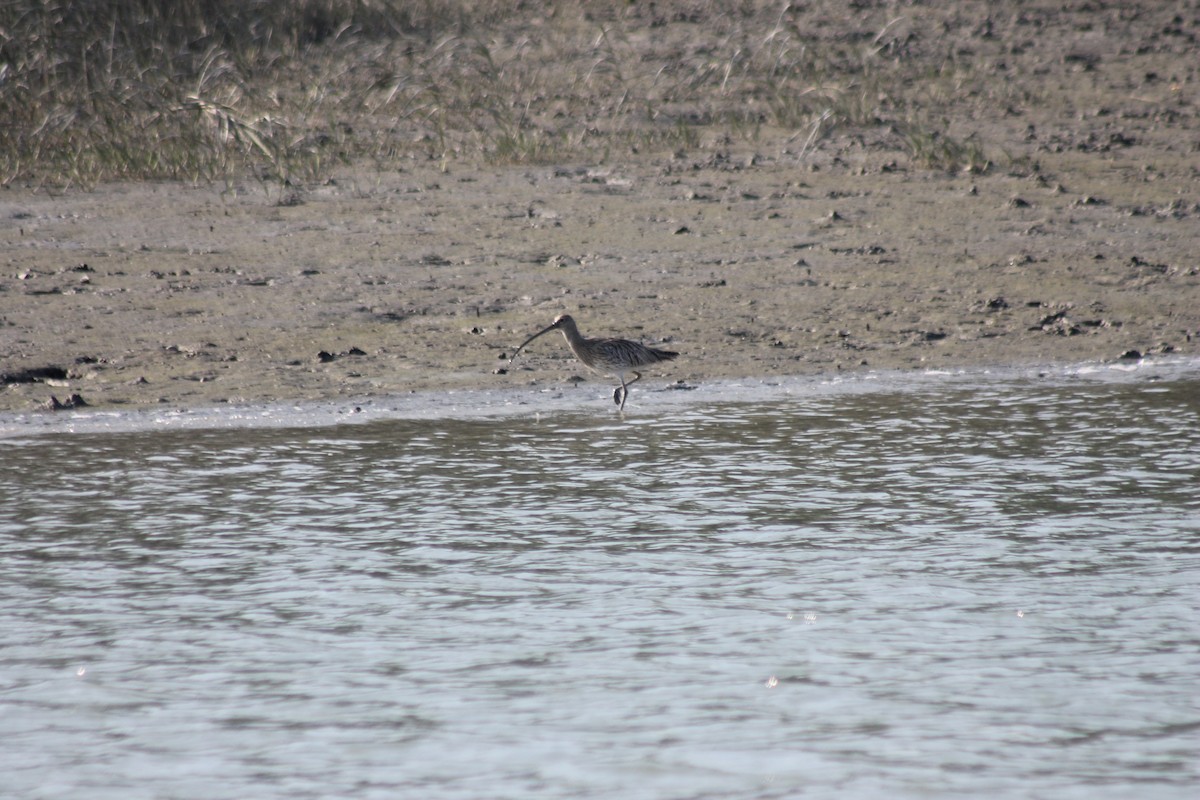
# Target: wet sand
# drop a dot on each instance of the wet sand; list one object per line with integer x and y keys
{"x": 752, "y": 258}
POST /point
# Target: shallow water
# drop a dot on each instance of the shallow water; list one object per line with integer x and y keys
{"x": 985, "y": 589}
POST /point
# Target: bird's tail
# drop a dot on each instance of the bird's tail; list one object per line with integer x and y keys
{"x": 663, "y": 355}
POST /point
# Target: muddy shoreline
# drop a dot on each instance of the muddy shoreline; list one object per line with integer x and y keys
{"x": 146, "y": 295}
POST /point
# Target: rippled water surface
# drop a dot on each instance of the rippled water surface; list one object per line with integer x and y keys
{"x": 989, "y": 590}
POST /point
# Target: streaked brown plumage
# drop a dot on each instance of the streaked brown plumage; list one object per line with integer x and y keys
{"x": 605, "y": 356}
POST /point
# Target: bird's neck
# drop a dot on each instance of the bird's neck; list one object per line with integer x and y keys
{"x": 573, "y": 337}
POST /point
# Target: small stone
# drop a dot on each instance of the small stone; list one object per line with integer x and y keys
{"x": 74, "y": 401}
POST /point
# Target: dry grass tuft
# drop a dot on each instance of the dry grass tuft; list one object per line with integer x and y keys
{"x": 203, "y": 90}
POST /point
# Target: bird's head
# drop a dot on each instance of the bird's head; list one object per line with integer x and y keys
{"x": 563, "y": 322}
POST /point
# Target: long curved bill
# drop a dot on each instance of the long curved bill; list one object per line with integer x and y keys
{"x": 547, "y": 329}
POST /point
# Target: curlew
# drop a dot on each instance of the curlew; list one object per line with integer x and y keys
{"x": 605, "y": 356}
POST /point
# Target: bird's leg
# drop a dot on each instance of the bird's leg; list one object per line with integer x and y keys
{"x": 624, "y": 390}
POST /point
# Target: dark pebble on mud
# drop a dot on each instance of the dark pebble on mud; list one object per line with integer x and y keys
{"x": 74, "y": 401}
{"x": 34, "y": 375}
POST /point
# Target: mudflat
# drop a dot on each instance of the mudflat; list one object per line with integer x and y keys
{"x": 778, "y": 251}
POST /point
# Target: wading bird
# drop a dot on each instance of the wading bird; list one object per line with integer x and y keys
{"x": 605, "y": 356}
